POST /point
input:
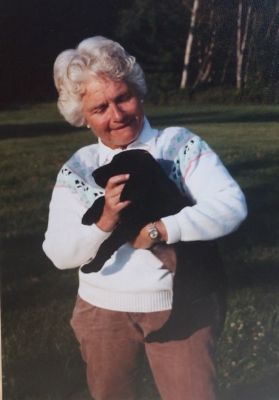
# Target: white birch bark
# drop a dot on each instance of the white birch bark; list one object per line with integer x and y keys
{"x": 241, "y": 41}
{"x": 206, "y": 58}
{"x": 189, "y": 44}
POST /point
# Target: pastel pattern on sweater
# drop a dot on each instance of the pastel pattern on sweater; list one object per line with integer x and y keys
{"x": 87, "y": 193}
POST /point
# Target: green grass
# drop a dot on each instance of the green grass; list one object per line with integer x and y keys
{"x": 41, "y": 359}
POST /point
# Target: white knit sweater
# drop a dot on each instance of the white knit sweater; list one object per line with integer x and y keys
{"x": 133, "y": 280}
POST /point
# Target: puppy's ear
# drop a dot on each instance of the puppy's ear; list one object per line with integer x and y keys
{"x": 126, "y": 162}
{"x": 94, "y": 213}
{"x": 102, "y": 174}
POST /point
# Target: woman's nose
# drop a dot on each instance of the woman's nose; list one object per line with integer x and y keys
{"x": 117, "y": 112}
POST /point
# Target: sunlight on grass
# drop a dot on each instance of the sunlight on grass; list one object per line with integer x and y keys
{"x": 41, "y": 358}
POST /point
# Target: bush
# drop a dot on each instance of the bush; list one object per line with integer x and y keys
{"x": 163, "y": 88}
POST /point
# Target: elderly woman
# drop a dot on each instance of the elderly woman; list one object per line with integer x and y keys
{"x": 102, "y": 87}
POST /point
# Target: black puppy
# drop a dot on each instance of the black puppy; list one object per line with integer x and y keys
{"x": 153, "y": 196}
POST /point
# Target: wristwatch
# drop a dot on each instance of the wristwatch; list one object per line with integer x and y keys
{"x": 153, "y": 232}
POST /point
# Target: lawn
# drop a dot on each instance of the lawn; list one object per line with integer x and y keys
{"x": 41, "y": 359}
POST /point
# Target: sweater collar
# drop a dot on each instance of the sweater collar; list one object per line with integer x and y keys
{"x": 145, "y": 141}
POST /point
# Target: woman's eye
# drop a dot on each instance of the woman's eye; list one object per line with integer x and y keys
{"x": 125, "y": 97}
{"x": 99, "y": 110}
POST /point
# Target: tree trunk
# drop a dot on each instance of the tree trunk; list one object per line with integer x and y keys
{"x": 206, "y": 60}
{"x": 250, "y": 52}
{"x": 226, "y": 64}
{"x": 241, "y": 41}
{"x": 189, "y": 44}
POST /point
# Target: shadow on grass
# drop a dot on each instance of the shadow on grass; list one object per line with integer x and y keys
{"x": 244, "y": 167}
{"x": 264, "y": 389}
{"x": 255, "y": 243}
{"x": 200, "y": 117}
{"x": 47, "y": 379}
{"x": 27, "y": 274}
{"x": 23, "y": 257}
{"x": 60, "y": 376}
{"x": 8, "y": 131}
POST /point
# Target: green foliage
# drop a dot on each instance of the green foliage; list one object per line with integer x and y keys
{"x": 155, "y": 32}
{"x": 161, "y": 87}
{"x": 41, "y": 359}
{"x": 161, "y": 92}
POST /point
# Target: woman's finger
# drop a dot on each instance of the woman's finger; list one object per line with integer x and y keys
{"x": 115, "y": 192}
{"x": 122, "y": 204}
{"x": 116, "y": 180}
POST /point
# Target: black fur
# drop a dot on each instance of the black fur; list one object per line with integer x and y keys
{"x": 153, "y": 195}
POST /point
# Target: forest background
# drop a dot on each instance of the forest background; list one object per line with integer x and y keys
{"x": 181, "y": 44}
{"x": 212, "y": 66}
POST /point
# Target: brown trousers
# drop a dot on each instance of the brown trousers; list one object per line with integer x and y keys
{"x": 112, "y": 344}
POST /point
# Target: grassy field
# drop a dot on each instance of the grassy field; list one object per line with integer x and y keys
{"x": 41, "y": 359}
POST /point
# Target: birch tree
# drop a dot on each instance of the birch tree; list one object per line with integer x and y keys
{"x": 189, "y": 44}
{"x": 243, "y": 22}
{"x": 207, "y": 46}
{"x": 222, "y": 43}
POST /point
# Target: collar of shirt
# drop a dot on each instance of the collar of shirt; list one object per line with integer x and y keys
{"x": 145, "y": 140}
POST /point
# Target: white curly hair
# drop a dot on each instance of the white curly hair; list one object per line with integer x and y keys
{"x": 92, "y": 58}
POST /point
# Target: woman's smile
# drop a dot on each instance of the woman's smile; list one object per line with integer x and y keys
{"x": 113, "y": 111}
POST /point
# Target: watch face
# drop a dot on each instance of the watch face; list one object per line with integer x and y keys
{"x": 153, "y": 233}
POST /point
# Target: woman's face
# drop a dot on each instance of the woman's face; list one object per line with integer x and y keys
{"x": 113, "y": 111}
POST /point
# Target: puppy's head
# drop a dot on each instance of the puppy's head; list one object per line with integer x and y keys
{"x": 138, "y": 162}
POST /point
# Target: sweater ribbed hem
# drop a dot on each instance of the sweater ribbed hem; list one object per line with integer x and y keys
{"x": 124, "y": 301}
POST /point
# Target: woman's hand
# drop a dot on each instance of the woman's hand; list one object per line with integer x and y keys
{"x": 144, "y": 241}
{"x": 113, "y": 205}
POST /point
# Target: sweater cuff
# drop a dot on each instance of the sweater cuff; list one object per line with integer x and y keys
{"x": 173, "y": 229}
{"x": 99, "y": 234}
